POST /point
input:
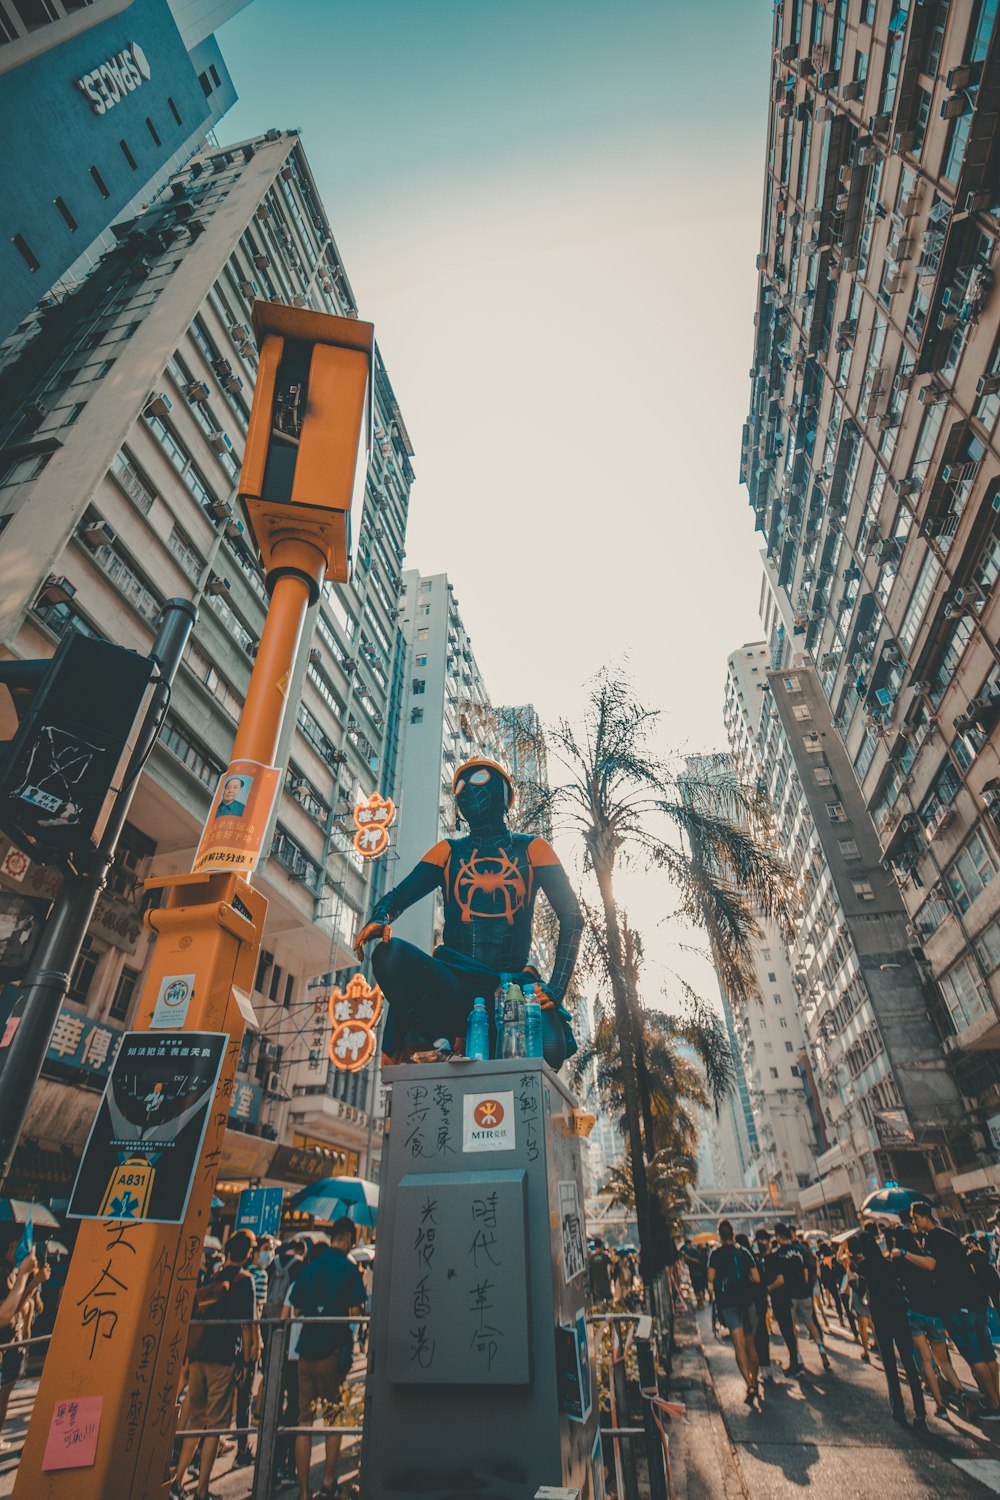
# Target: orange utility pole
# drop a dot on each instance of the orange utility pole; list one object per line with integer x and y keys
{"x": 119, "y": 1340}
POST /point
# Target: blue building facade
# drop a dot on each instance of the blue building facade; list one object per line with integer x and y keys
{"x": 87, "y": 124}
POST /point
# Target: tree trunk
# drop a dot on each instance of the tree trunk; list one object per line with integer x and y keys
{"x": 626, "y": 1032}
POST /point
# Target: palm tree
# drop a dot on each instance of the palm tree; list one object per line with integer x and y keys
{"x": 624, "y": 801}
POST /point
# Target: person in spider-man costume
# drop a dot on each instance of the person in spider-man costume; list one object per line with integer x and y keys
{"x": 490, "y": 878}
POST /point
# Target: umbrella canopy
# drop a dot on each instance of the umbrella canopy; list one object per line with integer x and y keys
{"x": 363, "y": 1255}
{"x": 212, "y": 1242}
{"x": 339, "y": 1197}
{"x": 893, "y": 1203}
{"x": 847, "y": 1234}
{"x": 56, "y": 1249}
{"x": 15, "y": 1211}
{"x": 705, "y": 1238}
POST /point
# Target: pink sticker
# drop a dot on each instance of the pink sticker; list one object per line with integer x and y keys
{"x": 73, "y": 1433}
{"x": 13, "y": 1022}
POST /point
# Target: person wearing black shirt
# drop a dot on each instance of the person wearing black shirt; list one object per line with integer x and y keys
{"x": 733, "y": 1279}
{"x": 857, "y": 1295}
{"x": 212, "y": 1370}
{"x": 943, "y": 1254}
{"x": 892, "y": 1330}
{"x": 986, "y": 1291}
{"x": 924, "y": 1315}
{"x": 793, "y": 1278}
{"x": 600, "y": 1264}
{"x": 762, "y": 1336}
{"x": 781, "y": 1302}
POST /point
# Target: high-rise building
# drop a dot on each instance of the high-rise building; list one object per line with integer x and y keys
{"x": 871, "y": 459}
{"x": 766, "y": 1032}
{"x": 446, "y": 717}
{"x": 120, "y": 446}
{"x": 101, "y": 101}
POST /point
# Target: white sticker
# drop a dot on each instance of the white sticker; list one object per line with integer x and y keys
{"x": 488, "y": 1122}
{"x": 171, "y": 1008}
{"x": 574, "y": 1257}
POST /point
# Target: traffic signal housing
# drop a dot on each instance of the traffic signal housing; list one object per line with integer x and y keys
{"x": 309, "y": 431}
{"x": 78, "y": 717}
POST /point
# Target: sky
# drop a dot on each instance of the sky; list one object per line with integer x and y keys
{"x": 550, "y": 210}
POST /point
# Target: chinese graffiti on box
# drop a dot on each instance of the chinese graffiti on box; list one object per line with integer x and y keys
{"x": 373, "y": 820}
{"x": 354, "y": 1014}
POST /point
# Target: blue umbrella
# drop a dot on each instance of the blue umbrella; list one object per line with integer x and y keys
{"x": 891, "y": 1201}
{"x": 339, "y": 1197}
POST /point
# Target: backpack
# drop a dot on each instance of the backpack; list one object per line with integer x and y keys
{"x": 734, "y": 1288}
{"x": 206, "y": 1305}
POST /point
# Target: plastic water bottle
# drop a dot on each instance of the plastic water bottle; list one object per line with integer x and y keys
{"x": 499, "y": 1003}
{"x": 514, "y": 1041}
{"x": 477, "y": 1031}
{"x": 532, "y": 1024}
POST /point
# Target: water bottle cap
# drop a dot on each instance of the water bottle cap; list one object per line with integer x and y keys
{"x": 479, "y": 1003}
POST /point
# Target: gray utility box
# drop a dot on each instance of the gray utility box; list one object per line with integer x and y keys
{"x": 479, "y": 1375}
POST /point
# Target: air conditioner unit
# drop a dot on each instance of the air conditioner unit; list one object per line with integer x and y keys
{"x": 854, "y": 90}
{"x": 221, "y": 509}
{"x": 263, "y": 261}
{"x": 241, "y": 332}
{"x": 942, "y": 819}
{"x": 220, "y": 442}
{"x": 34, "y": 415}
{"x": 955, "y": 105}
{"x": 273, "y": 135}
{"x": 868, "y": 156}
{"x": 197, "y": 391}
{"x": 195, "y": 227}
{"x": 287, "y": 175}
{"x": 907, "y": 486}
{"x": 921, "y": 687}
{"x": 95, "y": 534}
{"x": 849, "y": 264}
{"x": 315, "y": 656}
{"x": 231, "y": 383}
{"x": 56, "y": 590}
{"x": 217, "y": 585}
{"x": 249, "y": 289}
{"x": 139, "y": 269}
{"x": 158, "y": 405}
{"x": 904, "y": 141}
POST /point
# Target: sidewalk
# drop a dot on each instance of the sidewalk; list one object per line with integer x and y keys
{"x": 831, "y": 1434}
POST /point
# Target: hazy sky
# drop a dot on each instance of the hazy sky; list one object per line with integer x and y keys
{"x": 550, "y": 210}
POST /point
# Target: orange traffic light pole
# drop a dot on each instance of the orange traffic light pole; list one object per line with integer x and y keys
{"x": 122, "y": 1326}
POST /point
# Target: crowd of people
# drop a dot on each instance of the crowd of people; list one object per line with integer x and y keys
{"x": 906, "y": 1290}
{"x": 613, "y": 1274}
{"x": 242, "y": 1294}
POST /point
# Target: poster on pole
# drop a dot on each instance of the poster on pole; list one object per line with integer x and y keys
{"x": 233, "y": 835}
{"x": 144, "y": 1145}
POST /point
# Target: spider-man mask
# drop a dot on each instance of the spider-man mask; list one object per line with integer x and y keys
{"x": 481, "y": 797}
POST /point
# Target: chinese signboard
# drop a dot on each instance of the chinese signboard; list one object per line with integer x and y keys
{"x": 246, "y": 1102}
{"x": 115, "y": 921}
{"x": 259, "y": 1209}
{"x": 373, "y": 819}
{"x": 142, "y": 1152}
{"x": 354, "y": 1014}
{"x": 79, "y": 1042}
{"x": 234, "y": 831}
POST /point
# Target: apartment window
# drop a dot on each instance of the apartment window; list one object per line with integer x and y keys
{"x": 125, "y": 989}
{"x": 863, "y": 890}
{"x": 987, "y": 945}
{"x": 776, "y": 999}
{"x": 101, "y": 185}
{"x": 958, "y": 139}
{"x": 812, "y": 742}
{"x": 419, "y": 685}
{"x": 174, "y": 110}
{"x": 416, "y": 716}
{"x": 823, "y": 776}
{"x": 273, "y": 987}
{"x": 423, "y": 633}
{"x": 128, "y": 155}
{"x": 289, "y": 992}
{"x": 206, "y": 83}
{"x": 426, "y": 584}
{"x": 918, "y": 314}
{"x": 86, "y": 968}
{"x": 773, "y": 978}
{"x": 801, "y": 711}
{"x": 919, "y": 601}
{"x": 215, "y": 76}
{"x": 152, "y": 130}
{"x": 26, "y": 253}
{"x": 67, "y": 216}
{"x": 783, "y": 1023}
{"x": 425, "y": 609}
{"x": 774, "y": 1072}
{"x": 25, "y": 469}
{"x": 849, "y": 849}
{"x": 835, "y": 812}
{"x": 965, "y": 994}
{"x": 421, "y": 661}
{"x": 972, "y": 871}
{"x": 789, "y": 1047}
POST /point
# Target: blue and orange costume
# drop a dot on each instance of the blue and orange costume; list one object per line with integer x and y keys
{"x": 490, "y": 878}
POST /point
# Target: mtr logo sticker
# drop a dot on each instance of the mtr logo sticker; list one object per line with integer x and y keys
{"x": 488, "y": 1122}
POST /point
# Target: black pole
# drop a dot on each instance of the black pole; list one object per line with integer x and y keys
{"x": 44, "y": 987}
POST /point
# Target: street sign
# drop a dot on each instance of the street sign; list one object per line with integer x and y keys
{"x": 259, "y": 1209}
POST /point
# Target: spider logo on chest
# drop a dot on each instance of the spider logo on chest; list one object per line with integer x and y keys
{"x": 490, "y": 886}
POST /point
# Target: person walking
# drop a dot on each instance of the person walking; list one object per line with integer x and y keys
{"x": 892, "y": 1329}
{"x": 224, "y": 1331}
{"x": 857, "y": 1296}
{"x": 943, "y": 1254}
{"x": 985, "y": 1298}
{"x": 924, "y": 1314}
{"x": 762, "y": 1335}
{"x": 781, "y": 1301}
{"x": 793, "y": 1278}
{"x": 600, "y": 1264}
{"x": 328, "y": 1286}
{"x": 733, "y": 1279}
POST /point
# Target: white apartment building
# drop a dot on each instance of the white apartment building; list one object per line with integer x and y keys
{"x": 120, "y": 448}
{"x": 446, "y": 718}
